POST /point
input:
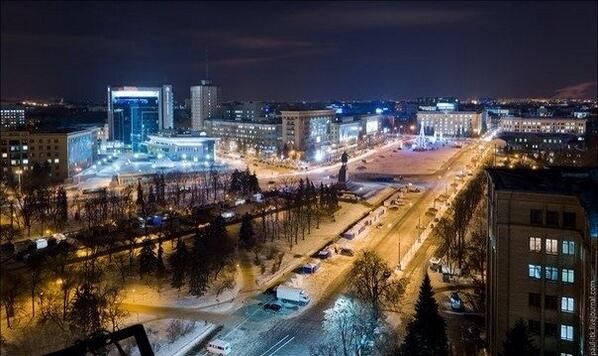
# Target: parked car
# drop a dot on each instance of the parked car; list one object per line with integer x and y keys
{"x": 272, "y": 306}
{"x": 324, "y": 254}
{"x": 346, "y": 251}
{"x": 455, "y": 301}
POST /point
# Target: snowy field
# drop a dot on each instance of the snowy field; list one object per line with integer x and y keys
{"x": 392, "y": 161}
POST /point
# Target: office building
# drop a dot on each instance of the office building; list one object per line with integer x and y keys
{"x": 12, "y": 118}
{"x": 63, "y": 152}
{"x": 193, "y": 147}
{"x": 542, "y": 258}
{"x": 243, "y": 111}
{"x": 450, "y": 123}
{"x": 204, "y": 103}
{"x": 544, "y": 125}
{"x": 259, "y": 138}
{"x": 345, "y": 131}
{"x": 306, "y": 131}
{"x": 136, "y": 112}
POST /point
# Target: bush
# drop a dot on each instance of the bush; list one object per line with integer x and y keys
{"x": 178, "y": 328}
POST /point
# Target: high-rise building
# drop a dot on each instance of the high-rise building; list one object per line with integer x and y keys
{"x": 12, "y": 117}
{"x": 204, "y": 103}
{"x": 135, "y": 112}
{"x": 63, "y": 152}
{"x": 542, "y": 258}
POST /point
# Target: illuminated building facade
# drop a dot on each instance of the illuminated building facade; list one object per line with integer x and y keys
{"x": 450, "y": 123}
{"x": 192, "y": 147}
{"x": 345, "y": 131}
{"x": 544, "y": 125}
{"x": 204, "y": 103}
{"x": 12, "y": 118}
{"x": 260, "y": 138}
{"x": 306, "y": 131}
{"x": 136, "y": 112}
{"x": 542, "y": 258}
{"x": 64, "y": 152}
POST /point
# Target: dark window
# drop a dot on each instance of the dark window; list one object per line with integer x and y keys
{"x": 534, "y": 326}
{"x": 550, "y": 329}
{"x": 535, "y": 217}
{"x": 569, "y": 220}
{"x": 551, "y": 302}
{"x": 550, "y": 353}
{"x": 552, "y": 218}
{"x": 534, "y": 300}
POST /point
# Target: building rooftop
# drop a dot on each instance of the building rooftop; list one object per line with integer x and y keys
{"x": 579, "y": 182}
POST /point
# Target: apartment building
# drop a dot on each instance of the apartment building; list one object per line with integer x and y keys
{"x": 542, "y": 243}
{"x": 306, "y": 130}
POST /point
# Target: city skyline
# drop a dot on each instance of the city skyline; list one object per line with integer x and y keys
{"x": 282, "y": 51}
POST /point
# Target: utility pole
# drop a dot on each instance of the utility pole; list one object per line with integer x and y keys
{"x": 399, "y": 264}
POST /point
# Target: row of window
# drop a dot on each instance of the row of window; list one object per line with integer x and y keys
{"x": 567, "y": 332}
{"x": 551, "y": 273}
{"x": 552, "y": 246}
{"x": 567, "y": 304}
{"x": 536, "y": 217}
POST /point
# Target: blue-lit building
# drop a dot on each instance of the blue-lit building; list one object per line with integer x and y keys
{"x": 62, "y": 152}
{"x": 136, "y": 112}
{"x": 192, "y": 147}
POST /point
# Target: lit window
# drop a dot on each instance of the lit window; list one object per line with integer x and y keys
{"x": 4, "y": 154}
{"x": 551, "y": 273}
{"x": 568, "y": 247}
{"x": 535, "y": 244}
{"x": 25, "y": 161}
{"x": 565, "y": 354}
{"x": 552, "y": 246}
{"x": 568, "y": 275}
{"x": 535, "y": 271}
{"x": 567, "y": 304}
{"x": 56, "y": 160}
{"x": 567, "y": 332}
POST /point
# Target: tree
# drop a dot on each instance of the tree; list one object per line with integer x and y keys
{"x": 148, "y": 262}
{"x": 178, "y": 261}
{"x": 34, "y": 267}
{"x": 518, "y": 341}
{"x": 246, "y": 233}
{"x": 350, "y": 328}
{"x": 85, "y": 315}
{"x": 370, "y": 282}
{"x": 426, "y": 333}
{"x": 11, "y": 286}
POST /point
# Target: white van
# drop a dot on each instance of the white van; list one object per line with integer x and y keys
{"x": 219, "y": 347}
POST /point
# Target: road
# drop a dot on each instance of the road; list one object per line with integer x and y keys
{"x": 294, "y": 335}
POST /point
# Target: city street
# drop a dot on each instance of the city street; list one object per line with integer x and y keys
{"x": 288, "y": 335}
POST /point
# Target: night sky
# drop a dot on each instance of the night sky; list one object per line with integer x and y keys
{"x": 301, "y": 50}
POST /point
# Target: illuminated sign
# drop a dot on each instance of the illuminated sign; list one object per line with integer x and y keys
{"x": 135, "y": 93}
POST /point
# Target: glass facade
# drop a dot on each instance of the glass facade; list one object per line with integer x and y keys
{"x": 135, "y": 118}
{"x": 81, "y": 151}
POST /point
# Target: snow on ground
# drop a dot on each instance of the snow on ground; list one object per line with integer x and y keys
{"x": 164, "y": 341}
{"x": 391, "y": 161}
{"x": 141, "y": 293}
{"x": 328, "y": 230}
